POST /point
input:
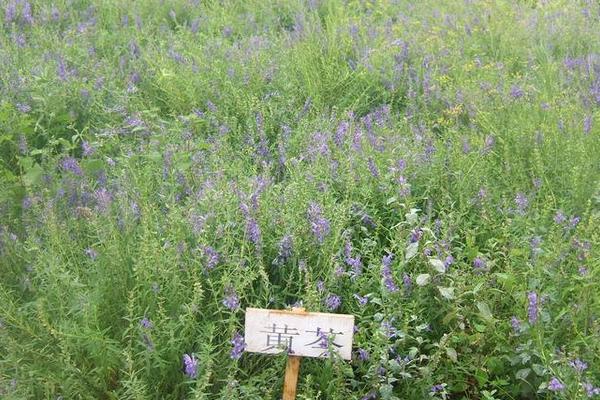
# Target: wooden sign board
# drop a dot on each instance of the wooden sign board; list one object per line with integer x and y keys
{"x": 301, "y": 333}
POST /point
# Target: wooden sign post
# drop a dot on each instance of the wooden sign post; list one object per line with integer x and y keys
{"x": 300, "y": 334}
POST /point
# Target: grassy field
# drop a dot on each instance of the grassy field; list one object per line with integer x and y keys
{"x": 431, "y": 167}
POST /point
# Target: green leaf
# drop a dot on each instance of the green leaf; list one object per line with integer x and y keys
{"x": 540, "y": 370}
{"x": 92, "y": 166}
{"x": 423, "y": 279}
{"x": 446, "y": 292}
{"x": 33, "y": 175}
{"x": 485, "y": 311}
{"x": 411, "y": 251}
{"x": 451, "y": 353}
{"x": 523, "y": 373}
{"x": 438, "y": 265}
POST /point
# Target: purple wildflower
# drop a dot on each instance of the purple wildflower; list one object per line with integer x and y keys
{"x": 407, "y": 281}
{"x": 347, "y": 249}
{"x": 10, "y": 11}
{"x": 373, "y": 168}
{"x": 590, "y": 390}
{"x": 24, "y": 108}
{"x": 253, "y": 231}
{"x": 448, "y": 261}
{"x": 87, "y": 149}
{"x": 555, "y": 385}
{"x": 370, "y": 396}
{"x": 574, "y": 221}
{"x": 146, "y": 323}
{"x": 285, "y": 249}
{"x": 340, "y": 133}
{"x": 582, "y": 270}
{"x": 239, "y": 345}
{"x": 231, "y": 300}
{"x": 356, "y": 265}
{"x": 578, "y": 365}
{"x": 357, "y": 140}
{"x": 386, "y": 274}
{"x": 516, "y": 92}
{"x": 333, "y": 302}
{"x": 516, "y": 324}
{"x": 437, "y": 388}
{"x": 190, "y": 365}
{"x": 103, "y": 199}
{"x": 532, "y": 310}
{"x": 71, "y": 165}
{"x": 388, "y": 329}
{"x": 522, "y": 202}
{"x": 363, "y": 355}
{"x": 27, "y": 202}
{"x": 479, "y": 263}
{"x": 320, "y": 285}
{"x": 362, "y": 300}
{"x": 318, "y": 224}
{"x": 559, "y": 218}
{"x": 26, "y": 13}
{"x": 212, "y": 257}
{"x": 416, "y": 235}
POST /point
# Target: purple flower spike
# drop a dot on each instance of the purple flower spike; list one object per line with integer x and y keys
{"x": 362, "y": 300}
{"x": 239, "y": 345}
{"x": 190, "y": 364}
{"x": 318, "y": 224}
{"x": 333, "y": 302}
{"x": 87, "y": 149}
{"x": 578, "y": 365}
{"x": 532, "y": 310}
{"x": 555, "y": 385}
{"x": 516, "y": 324}
{"x": 363, "y": 354}
{"x": 71, "y": 165}
{"x": 386, "y": 274}
{"x": 479, "y": 263}
{"x": 231, "y": 300}
{"x": 146, "y": 323}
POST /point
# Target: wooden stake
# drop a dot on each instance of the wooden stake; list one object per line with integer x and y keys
{"x": 291, "y": 377}
{"x": 292, "y": 368}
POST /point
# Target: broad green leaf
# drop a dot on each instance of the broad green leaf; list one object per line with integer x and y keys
{"x": 485, "y": 311}
{"x": 523, "y": 373}
{"x": 423, "y": 279}
{"x": 451, "y": 353}
{"x": 411, "y": 251}
{"x": 33, "y": 175}
{"x": 446, "y": 292}
{"x": 438, "y": 265}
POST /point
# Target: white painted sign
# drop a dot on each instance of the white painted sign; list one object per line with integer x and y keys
{"x": 308, "y": 334}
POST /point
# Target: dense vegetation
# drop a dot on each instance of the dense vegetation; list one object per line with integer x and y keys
{"x": 431, "y": 167}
